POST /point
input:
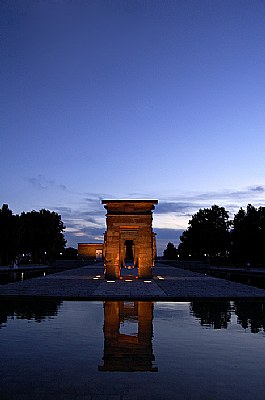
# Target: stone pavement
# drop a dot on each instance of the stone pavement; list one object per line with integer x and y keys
{"x": 168, "y": 283}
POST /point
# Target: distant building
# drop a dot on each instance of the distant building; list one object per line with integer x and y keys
{"x": 90, "y": 251}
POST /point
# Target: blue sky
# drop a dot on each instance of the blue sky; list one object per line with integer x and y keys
{"x": 131, "y": 99}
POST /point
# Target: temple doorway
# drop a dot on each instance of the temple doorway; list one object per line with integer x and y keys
{"x": 129, "y": 270}
{"x": 129, "y": 253}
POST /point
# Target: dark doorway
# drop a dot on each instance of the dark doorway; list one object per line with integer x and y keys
{"x": 129, "y": 252}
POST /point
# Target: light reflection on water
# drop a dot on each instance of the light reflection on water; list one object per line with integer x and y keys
{"x": 132, "y": 350}
{"x": 18, "y": 275}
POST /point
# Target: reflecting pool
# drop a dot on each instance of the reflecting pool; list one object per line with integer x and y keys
{"x": 22, "y": 275}
{"x": 132, "y": 350}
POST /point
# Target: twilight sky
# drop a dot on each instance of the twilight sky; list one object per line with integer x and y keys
{"x": 131, "y": 99}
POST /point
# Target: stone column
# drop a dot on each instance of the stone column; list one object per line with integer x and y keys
{"x": 145, "y": 254}
{"x": 154, "y": 248}
{"x": 112, "y": 254}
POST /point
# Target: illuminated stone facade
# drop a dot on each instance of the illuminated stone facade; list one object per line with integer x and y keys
{"x": 129, "y": 236}
{"x": 90, "y": 251}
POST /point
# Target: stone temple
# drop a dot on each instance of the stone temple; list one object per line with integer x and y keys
{"x": 129, "y": 240}
{"x": 129, "y": 237}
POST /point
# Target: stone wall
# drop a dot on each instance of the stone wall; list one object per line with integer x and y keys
{"x": 90, "y": 251}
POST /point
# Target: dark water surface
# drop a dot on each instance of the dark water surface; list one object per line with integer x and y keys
{"x": 19, "y": 276}
{"x": 132, "y": 350}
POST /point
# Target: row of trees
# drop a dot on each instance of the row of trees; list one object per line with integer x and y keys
{"x": 35, "y": 234}
{"x": 213, "y": 235}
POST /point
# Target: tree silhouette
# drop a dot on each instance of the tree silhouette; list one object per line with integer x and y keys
{"x": 170, "y": 253}
{"x": 38, "y": 233}
{"x": 41, "y": 235}
{"x": 70, "y": 253}
{"x": 207, "y": 234}
{"x": 9, "y": 235}
{"x": 248, "y": 235}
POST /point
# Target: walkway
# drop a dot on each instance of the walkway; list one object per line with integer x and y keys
{"x": 169, "y": 284}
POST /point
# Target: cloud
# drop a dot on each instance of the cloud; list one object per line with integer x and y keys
{"x": 41, "y": 182}
{"x": 63, "y": 210}
{"x": 258, "y": 188}
{"x": 83, "y": 224}
{"x": 176, "y": 207}
{"x": 191, "y": 201}
{"x": 92, "y": 196}
{"x": 88, "y": 235}
{"x": 71, "y": 230}
{"x": 227, "y": 194}
{"x": 138, "y": 195}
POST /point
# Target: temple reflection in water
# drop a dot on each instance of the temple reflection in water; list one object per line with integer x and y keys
{"x": 128, "y": 351}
